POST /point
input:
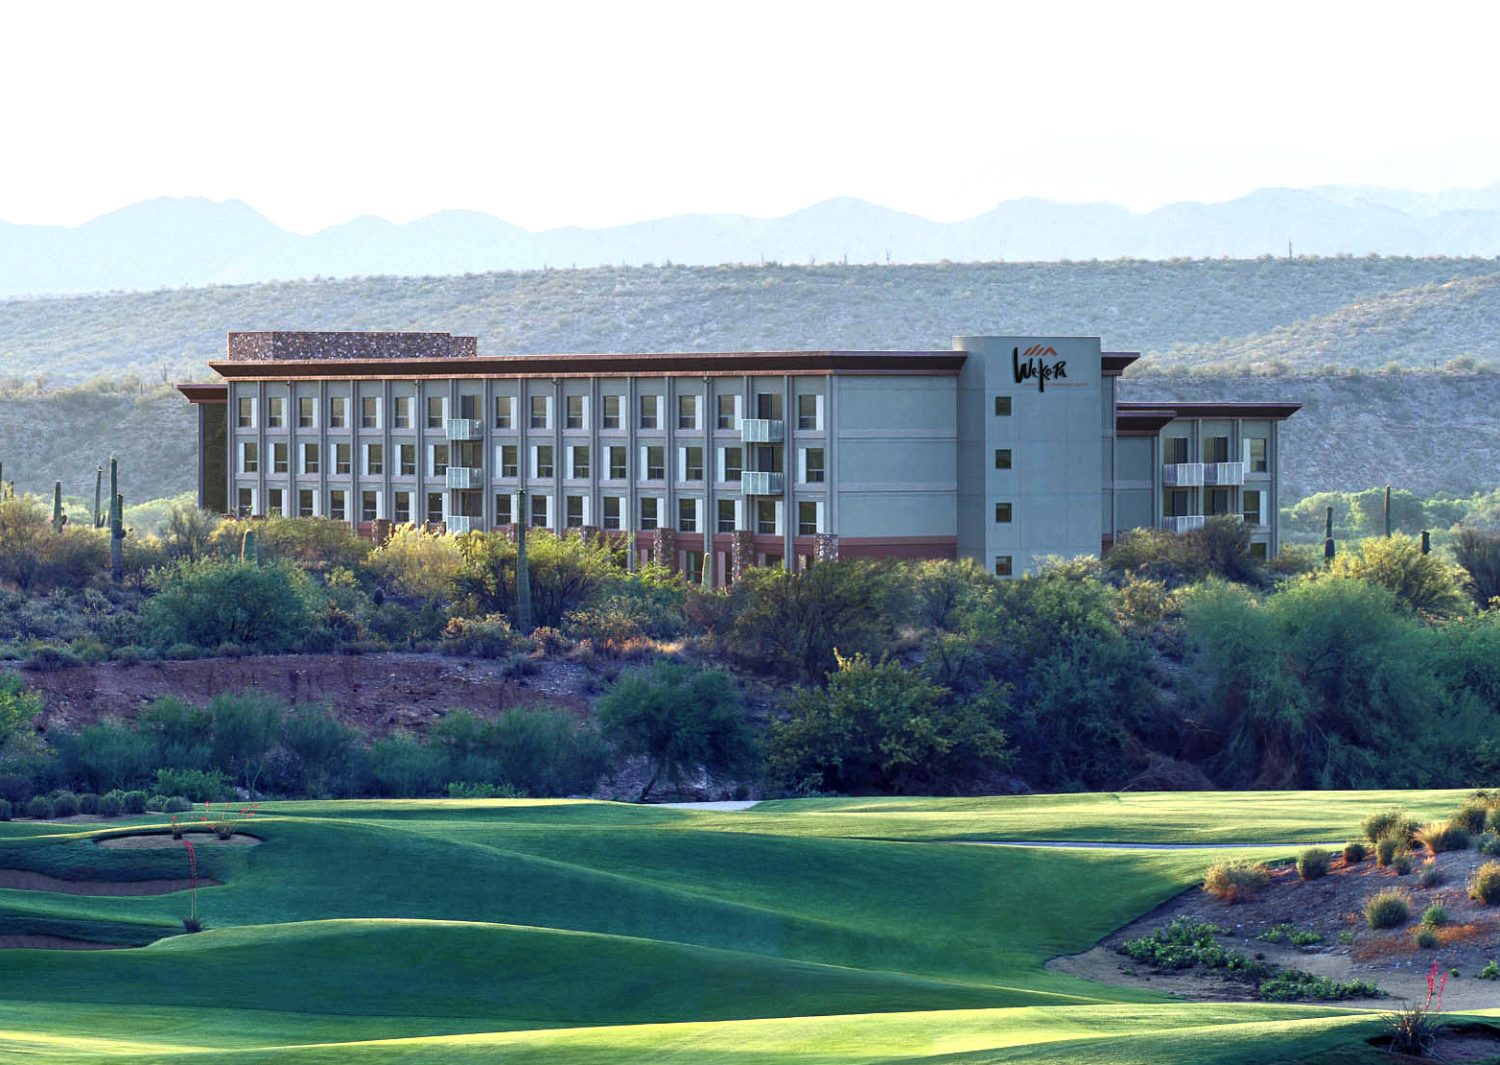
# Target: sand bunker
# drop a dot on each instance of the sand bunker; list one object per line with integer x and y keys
{"x": 26, "y": 880}
{"x": 163, "y": 840}
{"x": 29, "y": 942}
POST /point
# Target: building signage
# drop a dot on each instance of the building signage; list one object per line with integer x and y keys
{"x": 1033, "y": 364}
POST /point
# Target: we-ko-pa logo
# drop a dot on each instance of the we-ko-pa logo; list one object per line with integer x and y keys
{"x": 1032, "y": 363}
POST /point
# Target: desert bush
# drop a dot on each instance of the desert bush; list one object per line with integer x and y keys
{"x": 1296, "y": 985}
{"x": 110, "y": 805}
{"x": 44, "y": 658}
{"x": 1430, "y": 876}
{"x": 245, "y": 729}
{"x": 416, "y": 564}
{"x": 1427, "y": 585}
{"x": 1401, "y": 863}
{"x": 1234, "y": 881}
{"x": 197, "y": 785}
{"x": 1491, "y": 971}
{"x": 1387, "y": 909}
{"x": 1471, "y": 816}
{"x": 1388, "y": 849}
{"x": 1354, "y": 853}
{"x": 1425, "y": 937}
{"x": 1442, "y": 836}
{"x": 544, "y": 751}
{"x": 181, "y": 734}
{"x": 1487, "y": 843}
{"x": 64, "y": 804}
{"x": 401, "y": 767}
{"x": 308, "y": 543}
{"x": 19, "y": 710}
{"x": 215, "y": 601}
{"x": 1183, "y": 944}
{"x": 319, "y": 745}
{"x": 1313, "y": 863}
{"x": 133, "y": 801}
{"x": 1286, "y": 933}
{"x": 1435, "y": 916}
{"x": 1389, "y": 823}
{"x": 487, "y": 637}
{"x": 39, "y": 808}
{"x": 566, "y": 572}
{"x": 105, "y": 755}
{"x": 176, "y": 804}
{"x": 1484, "y": 885}
{"x": 463, "y": 789}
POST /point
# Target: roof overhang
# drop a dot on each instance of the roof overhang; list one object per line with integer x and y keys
{"x": 1113, "y": 363}
{"x": 206, "y": 392}
{"x": 1274, "y": 411}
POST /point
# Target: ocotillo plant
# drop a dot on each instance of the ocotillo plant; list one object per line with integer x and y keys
{"x": 57, "y": 511}
{"x": 523, "y": 571}
{"x": 1328, "y": 535}
{"x": 99, "y": 497}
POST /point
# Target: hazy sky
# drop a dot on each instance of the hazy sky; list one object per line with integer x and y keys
{"x": 551, "y": 113}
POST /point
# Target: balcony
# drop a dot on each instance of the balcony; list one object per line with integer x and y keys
{"x": 1182, "y": 523}
{"x": 465, "y": 477}
{"x": 1182, "y": 475}
{"x": 1223, "y": 473}
{"x": 755, "y": 483}
{"x": 465, "y": 429}
{"x": 458, "y": 524}
{"x": 762, "y": 431}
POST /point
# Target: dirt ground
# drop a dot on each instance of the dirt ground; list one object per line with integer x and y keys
{"x": 1330, "y": 906}
{"x": 377, "y": 693}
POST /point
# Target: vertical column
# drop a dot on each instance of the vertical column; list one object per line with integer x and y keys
{"x": 630, "y": 520}
{"x": 668, "y": 517}
{"x": 263, "y": 451}
{"x": 788, "y": 480}
{"x": 709, "y": 521}
{"x": 559, "y": 416}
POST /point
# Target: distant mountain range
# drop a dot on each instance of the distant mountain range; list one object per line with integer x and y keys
{"x": 175, "y": 242}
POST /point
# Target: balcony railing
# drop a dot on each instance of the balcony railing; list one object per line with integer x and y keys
{"x": 465, "y": 477}
{"x": 762, "y": 431}
{"x": 465, "y": 429}
{"x": 460, "y": 523}
{"x": 755, "y": 483}
{"x": 1223, "y": 473}
{"x": 1182, "y": 523}
{"x": 1182, "y": 475}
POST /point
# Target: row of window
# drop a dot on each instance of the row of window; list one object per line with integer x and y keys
{"x": 765, "y": 514}
{"x": 1182, "y": 502}
{"x": 650, "y": 411}
{"x": 578, "y": 460}
{"x": 1254, "y": 453}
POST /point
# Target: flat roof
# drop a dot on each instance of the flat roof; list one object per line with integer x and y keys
{"x": 1197, "y": 409}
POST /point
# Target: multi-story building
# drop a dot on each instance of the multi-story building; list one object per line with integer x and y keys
{"x": 1005, "y": 449}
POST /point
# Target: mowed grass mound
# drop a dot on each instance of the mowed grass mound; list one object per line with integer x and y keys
{"x": 830, "y": 930}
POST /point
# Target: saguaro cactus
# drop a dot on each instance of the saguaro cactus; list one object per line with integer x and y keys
{"x": 1387, "y": 513}
{"x": 1426, "y": 542}
{"x": 523, "y": 571}
{"x": 116, "y": 524}
{"x": 57, "y": 510}
{"x": 99, "y": 497}
{"x": 1328, "y": 535}
{"x": 249, "y": 549}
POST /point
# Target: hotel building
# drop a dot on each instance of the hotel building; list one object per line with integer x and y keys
{"x": 1004, "y": 449}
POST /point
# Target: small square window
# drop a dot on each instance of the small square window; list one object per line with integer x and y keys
{"x": 1002, "y": 513}
{"x": 1002, "y": 458}
{"x": 1002, "y": 406}
{"x": 1002, "y": 566}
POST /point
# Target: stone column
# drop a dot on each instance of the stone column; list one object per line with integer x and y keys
{"x": 664, "y": 547}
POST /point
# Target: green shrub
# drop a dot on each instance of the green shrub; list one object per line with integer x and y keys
{"x": 401, "y": 767}
{"x": 88, "y": 803}
{"x": 1492, "y": 820}
{"x": 245, "y": 730}
{"x": 1292, "y": 985}
{"x": 463, "y": 789}
{"x": 1435, "y": 916}
{"x": 5, "y": 810}
{"x": 1313, "y": 863}
{"x": 1389, "y": 823}
{"x": 134, "y": 802}
{"x": 1425, "y": 937}
{"x": 1235, "y": 880}
{"x": 1387, "y": 909}
{"x": 110, "y": 805}
{"x": 1184, "y": 944}
{"x": 1491, "y": 971}
{"x": 209, "y": 602}
{"x": 320, "y": 746}
{"x": 197, "y": 785}
{"x": 1442, "y": 836}
{"x": 1430, "y": 876}
{"x": 1471, "y": 816}
{"x": 45, "y": 658}
{"x": 486, "y": 637}
{"x": 1354, "y": 853}
{"x": 39, "y": 808}
{"x": 1487, "y": 843}
{"x": 1285, "y": 933}
{"x": 176, "y": 804}
{"x": 1388, "y": 849}
{"x": 64, "y": 804}
{"x": 1484, "y": 885}
{"x": 107, "y": 755}
{"x": 1401, "y": 864}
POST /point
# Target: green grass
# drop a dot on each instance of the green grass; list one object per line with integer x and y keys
{"x": 825, "y": 930}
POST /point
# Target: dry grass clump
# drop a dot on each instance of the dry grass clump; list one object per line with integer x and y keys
{"x": 1235, "y": 881}
{"x": 1442, "y": 836}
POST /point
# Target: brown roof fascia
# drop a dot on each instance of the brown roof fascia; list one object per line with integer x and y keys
{"x": 1212, "y": 410}
{"x": 1113, "y": 363}
{"x": 200, "y": 392}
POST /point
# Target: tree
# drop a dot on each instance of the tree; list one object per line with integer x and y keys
{"x": 416, "y": 564}
{"x": 1478, "y": 552}
{"x": 188, "y": 531}
{"x": 878, "y": 727}
{"x": 1426, "y": 584}
{"x": 19, "y": 710}
{"x": 566, "y": 571}
{"x": 678, "y": 719}
{"x": 217, "y": 601}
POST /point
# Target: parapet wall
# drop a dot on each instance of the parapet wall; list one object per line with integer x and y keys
{"x": 276, "y": 346}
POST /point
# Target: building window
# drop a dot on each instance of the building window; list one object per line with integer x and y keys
{"x": 505, "y": 412}
{"x": 505, "y": 513}
{"x": 1002, "y": 565}
{"x": 1257, "y": 449}
{"x": 1216, "y": 501}
{"x": 687, "y": 412}
{"x": 656, "y": 463}
{"x": 539, "y": 511}
{"x": 1177, "y": 450}
{"x": 809, "y": 412}
{"x": 1002, "y": 406}
{"x": 1002, "y": 458}
{"x": 694, "y": 566}
{"x": 573, "y": 412}
{"x": 337, "y": 509}
{"x": 338, "y": 412}
{"x": 307, "y": 412}
{"x": 1002, "y": 513}
{"x": 401, "y": 414}
{"x": 768, "y": 406}
{"x": 402, "y": 515}
{"x": 369, "y": 412}
{"x": 342, "y": 466}
{"x": 437, "y": 460}
{"x": 436, "y": 408}
{"x": 310, "y": 458}
{"x": 692, "y": 464}
{"x": 650, "y": 506}
{"x": 541, "y": 461}
{"x": 434, "y": 508}
{"x": 581, "y": 456}
{"x": 246, "y": 502}
{"x": 812, "y": 465}
{"x": 727, "y": 407}
{"x": 1251, "y": 506}
{"x": 305, "y": 506}
{"x": 611, "y": 512}
{"x": 280, "y": 457}
{"x": 1260, "y": 550}
{"x": 765, "y": 516}
{"x": 650, "y": 412}
{"x": 574, "y": 515}
{"x": 510, "y": 460}
{"x": 275, "y": 412}
{"x": 726, "y": 515}
{"x": 406, "y": 457}
{"x": 807, "y": 518}
{"x": 617, "y": 470}
{"x": 611, "y": 413}
{"x": 369, "y": 506}
{"x": 245, "y": 412}
{"x": 539, "y": 417}
{"x": 687, "y": 515}
{"x": 374, "y": 459}
{"x": 249, "y": 457}
{"x": 468, "y": 406}
{"x": 1218, "y": 449}
{"x": 732, "y": 459}
{"x": 1177, "y": 502}
{"x": 275, "y": 502}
